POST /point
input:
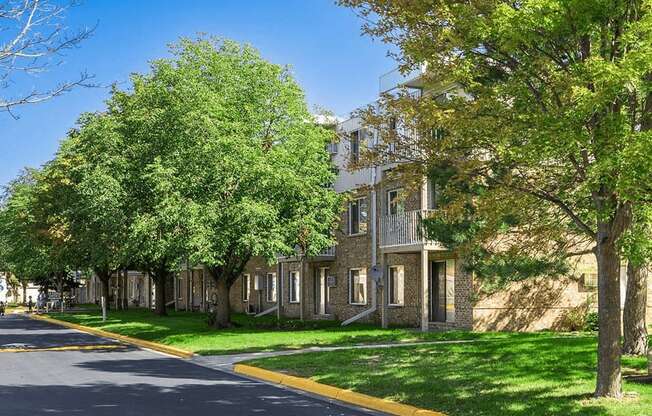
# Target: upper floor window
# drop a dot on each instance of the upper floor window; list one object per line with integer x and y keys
{"x": 355, "y": 146}
{"x": 433, "y": 195}
{"x": 358, "y": 287}
{"x": 438, "y": 133}
{"x": 246, "y": 287}
{"x": 270, "y": 287}
{"x": 396, "y": 285}
{"x": 358, "y": 216}
{"x": 394, "y": 202}
{"x": 295, "y": 287}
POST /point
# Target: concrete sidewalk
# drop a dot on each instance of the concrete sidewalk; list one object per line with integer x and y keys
{"x": 226, "y": 362}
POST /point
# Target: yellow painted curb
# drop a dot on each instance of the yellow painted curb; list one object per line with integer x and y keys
{"x": 348, "y": 396}
{"x": 66, "y": 348}
{"x": 177, "y": 352}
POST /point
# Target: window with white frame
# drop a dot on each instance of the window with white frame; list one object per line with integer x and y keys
{"x": 396, "y": 285}
{"x": 295, "y": 287}
{"x": 270, "y": 287}
{"x": 354, "y": 139}
{"x": 358, "y": 287}
{"x": 395, "y": 202}
{"x": 433, "y": 194}
{"x": 246, "y": 287}
{"x": 358, "y": 216}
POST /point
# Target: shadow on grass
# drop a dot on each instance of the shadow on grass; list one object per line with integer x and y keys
{"x": 534, "y": 377}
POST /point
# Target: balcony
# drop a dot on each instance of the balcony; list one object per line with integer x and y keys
{"x": 396, "y": 79}
{"x": 404, "y": 232}
{"x": 326, "y": 255}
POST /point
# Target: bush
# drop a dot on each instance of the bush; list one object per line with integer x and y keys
{"x": 591, "y": 322}
{"x": 573, "y": 320}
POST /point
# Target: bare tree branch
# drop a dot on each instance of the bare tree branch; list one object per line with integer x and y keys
{"x": 33, "y": 38}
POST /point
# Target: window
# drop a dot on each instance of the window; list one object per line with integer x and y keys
{"x": 294, "y": 287}
{"x": 355, "y": 146}
{"x": 246, "y": 289}
{"x": 396, "y": 285}
{"x": 270, "y": 287}
{"x": 357, "y": 287}
{"x": 438, "y": 134}
{"x": 590, "y": 280}
{"x": 433, "y": 195}
{"x": 394, "y": 202}
{"x": 358, "y": 216}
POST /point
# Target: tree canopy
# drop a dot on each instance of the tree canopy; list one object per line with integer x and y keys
{"x": 545, "y": 106}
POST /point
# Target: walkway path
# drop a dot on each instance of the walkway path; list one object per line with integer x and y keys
{"x": 226, "y": 362}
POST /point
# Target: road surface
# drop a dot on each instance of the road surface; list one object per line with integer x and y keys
{"x": 68, "y": 372}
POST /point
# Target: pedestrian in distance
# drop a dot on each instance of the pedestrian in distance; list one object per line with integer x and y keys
{"x": 30, "y": 304}
{"x": 2, "y": 309}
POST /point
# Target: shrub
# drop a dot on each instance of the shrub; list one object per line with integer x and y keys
{"x": 573, "y": 320}
{"x": 591, "y": 322}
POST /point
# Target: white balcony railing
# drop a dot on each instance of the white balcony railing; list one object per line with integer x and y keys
{"x": 403, "y": 229}
{"x": 328, "y": 252}
{"x": 397, "y": 79}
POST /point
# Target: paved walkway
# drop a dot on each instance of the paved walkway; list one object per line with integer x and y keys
{"x": 226, "y": 362}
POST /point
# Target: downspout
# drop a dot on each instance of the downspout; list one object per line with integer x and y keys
{"x": 279, "y": 291}
{"x": 374, "y": 253}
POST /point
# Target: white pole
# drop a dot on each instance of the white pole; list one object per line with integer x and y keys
{"x": 103, "y": 301}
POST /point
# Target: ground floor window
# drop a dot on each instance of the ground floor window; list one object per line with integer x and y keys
{"x": 270, "y": 287}
{"x": 357, "y": 286}
{"x": 246, "y": 289}
{"x": 294, "y": 287}
{"x": 396, "y": 285}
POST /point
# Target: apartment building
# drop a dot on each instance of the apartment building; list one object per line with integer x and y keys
{"x": 383, "y": 271}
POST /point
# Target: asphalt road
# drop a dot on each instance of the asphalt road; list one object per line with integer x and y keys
{"x": 96, "y": 376}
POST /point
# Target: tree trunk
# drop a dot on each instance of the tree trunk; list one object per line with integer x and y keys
{"x": 24, "y": 285}
{"x": 223, "y": 307}
{"x": 609, "y": 382}
{"x": 635, "y": 330}
{"x": 159, "y": 288}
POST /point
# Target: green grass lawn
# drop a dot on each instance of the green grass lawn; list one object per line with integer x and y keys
{"x": 538, "y": 374}
{"x": 190, "y": 331}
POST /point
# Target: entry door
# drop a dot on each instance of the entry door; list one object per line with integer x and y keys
{"x": 437, "y": 295}
{"x": 322, "y": 306}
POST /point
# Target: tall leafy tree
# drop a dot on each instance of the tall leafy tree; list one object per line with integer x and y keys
{"x": 227, "y": 163}
{"x": 92, "y": 168}
{"x": 35, "y": 238}
{"x": 555, "y": 109}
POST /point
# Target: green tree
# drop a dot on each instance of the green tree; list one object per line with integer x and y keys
{"x": 637, "y": 249}
{"x": 34, "y": 236}
{"x": 91, "y": 161}
{"x": 550, "y": 102}
{"x": 230, "y": 164}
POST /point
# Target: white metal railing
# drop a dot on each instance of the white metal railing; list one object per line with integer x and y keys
{"x": 396, "y": 79}
{"x": 328, "y": 252}
{"x": 402, "y": 229}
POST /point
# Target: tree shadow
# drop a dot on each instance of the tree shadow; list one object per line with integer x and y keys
{"x": 239, "y": 397}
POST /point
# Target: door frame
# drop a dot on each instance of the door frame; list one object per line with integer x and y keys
{"x": 435, "y": 269}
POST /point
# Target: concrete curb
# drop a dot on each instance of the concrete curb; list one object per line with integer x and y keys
{"x": 348, "y": 396}
{"x": 177, "y": 352}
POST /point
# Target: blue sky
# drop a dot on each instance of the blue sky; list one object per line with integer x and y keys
{"x": 337, "y": 66}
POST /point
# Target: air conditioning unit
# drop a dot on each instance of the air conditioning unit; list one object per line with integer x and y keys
{"x": 331, "y": 281}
